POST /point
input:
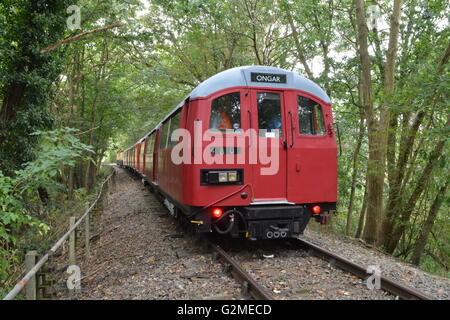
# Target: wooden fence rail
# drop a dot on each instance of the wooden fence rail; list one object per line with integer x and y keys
{"x": 29, "y": 281}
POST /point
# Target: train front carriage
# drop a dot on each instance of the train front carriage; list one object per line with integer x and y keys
{"x": 120, "y": 158}
{"x": 254, "y": 155}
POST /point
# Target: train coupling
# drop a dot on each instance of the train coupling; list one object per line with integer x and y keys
{"x": 276, "y": 232}
{"x": 322, "y": 218}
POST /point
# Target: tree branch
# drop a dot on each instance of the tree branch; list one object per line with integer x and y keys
{"x": 81, "y": 35}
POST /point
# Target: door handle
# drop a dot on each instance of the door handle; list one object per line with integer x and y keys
{"x": 292, "y": 129}
{"x": 284, "y": 144}
{"x": 339, "y": 137}
{"x": 250, "y": 124}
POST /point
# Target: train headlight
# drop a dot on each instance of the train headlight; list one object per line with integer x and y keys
{"x": 218, "y": 177}
{"x": 232, "y": 176}
{"x": 223, "y": 177}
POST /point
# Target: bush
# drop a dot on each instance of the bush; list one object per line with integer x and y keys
{"x": 19, "y": 194}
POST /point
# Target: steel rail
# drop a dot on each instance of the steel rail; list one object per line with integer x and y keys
{"x": 21, "y": 284}
{"x": 402, "y": 291}
{"x": 257, "y": 291}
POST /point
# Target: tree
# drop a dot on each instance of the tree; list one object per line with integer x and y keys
{"x": 377, "y": 127}
{"x": 26, "y": 74}
{"x": 430, "y": 220}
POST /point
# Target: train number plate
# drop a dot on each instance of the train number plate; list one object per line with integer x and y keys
{"x": 225, "y": 150}
{"x": 268, "y": 77}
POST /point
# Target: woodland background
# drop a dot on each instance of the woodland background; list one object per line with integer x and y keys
{"x": 66, "y": 108}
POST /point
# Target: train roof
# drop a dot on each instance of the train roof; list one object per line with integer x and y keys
{"x": 249, "y": 76}
{"x": 258, "y": 76}
{"x": 137, "y": 142}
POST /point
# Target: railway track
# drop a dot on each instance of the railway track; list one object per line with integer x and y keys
{"x": 250, "y": 285}
{"x": 389, "y": 285}
{"x": 260, "y": 292}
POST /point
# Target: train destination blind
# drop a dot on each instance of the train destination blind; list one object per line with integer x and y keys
{"x": 268, "y": 77}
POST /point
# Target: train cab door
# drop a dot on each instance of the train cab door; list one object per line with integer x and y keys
{"x": 311, "y": 151}
{"x": 269, "y": 171}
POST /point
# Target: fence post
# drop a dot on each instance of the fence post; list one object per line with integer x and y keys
{"x": 99, "y": 205}
{"x": 31, "y": 286}
{"x": 114, "y": 180}
{"x": 105, "y": 194}
{"x": 87, "y": 234}
{"x": 95, "y": 219}
{"x": 72, "y": 259}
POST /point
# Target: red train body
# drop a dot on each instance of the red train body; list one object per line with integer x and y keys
{"x": 280, "y": 170}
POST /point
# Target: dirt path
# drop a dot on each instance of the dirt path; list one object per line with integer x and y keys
{"x": 140, "y": 254}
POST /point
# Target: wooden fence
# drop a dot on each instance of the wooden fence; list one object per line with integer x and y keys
{"x": 30, "y": 280}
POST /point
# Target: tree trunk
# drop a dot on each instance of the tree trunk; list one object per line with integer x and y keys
{"x": 362, "y": 215}
{"x": 43, "y": 195}
{"x": 374, "y": 196}
{"x": 420, "y": 186}
{"x": 389, "y": 73}
{"x": 393, "y": 206}
{"x": 355, "y": 171}
{"x": 431, "y": 218}
{"x": 70, "y": 185}
{"x": 377, "y": 130}
{"x": 299, "y": 51}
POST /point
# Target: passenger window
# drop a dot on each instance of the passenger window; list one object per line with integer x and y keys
{"x": 164, "y": 134}
{"x": 226, "y": 113}
{"x": 142, "y": 155}
{"x": 310, "y": 117}
{"x": 150, "y": 143}
{"x": 149, "y": 153}
{"x": 269, "y": 114}
{"x": 174, "y": 124}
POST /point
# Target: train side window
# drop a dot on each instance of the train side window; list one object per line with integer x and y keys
{"x": 174, "y": 124}
{"x": 150, "y": 143}
{"x": 142, "y": 156}
{"x": 149, "y": 151}
{"x": 310, "y": 117}
{"x": 164, "y": 134}
{"x": 226, "y": 113}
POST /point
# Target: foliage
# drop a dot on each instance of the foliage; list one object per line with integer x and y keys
{"x": 115, "y": 86}
{"x": 19, "y": 194}
{"x": 26, "y": 74}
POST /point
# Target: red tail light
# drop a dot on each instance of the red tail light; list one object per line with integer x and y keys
{"x": 217, "y": 212}
{"x": 315, "y": 209}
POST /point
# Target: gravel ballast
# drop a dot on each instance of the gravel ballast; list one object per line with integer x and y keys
{"x": 142, "y": 253}
{"x": 391, "y": 267}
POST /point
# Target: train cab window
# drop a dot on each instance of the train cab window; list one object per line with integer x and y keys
{"x": 226, "y": 113}
{"x": 310, "y": 117}
{"x": 269, "y": 114}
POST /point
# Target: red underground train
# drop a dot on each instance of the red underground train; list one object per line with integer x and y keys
{"x": 251, "y": 152}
